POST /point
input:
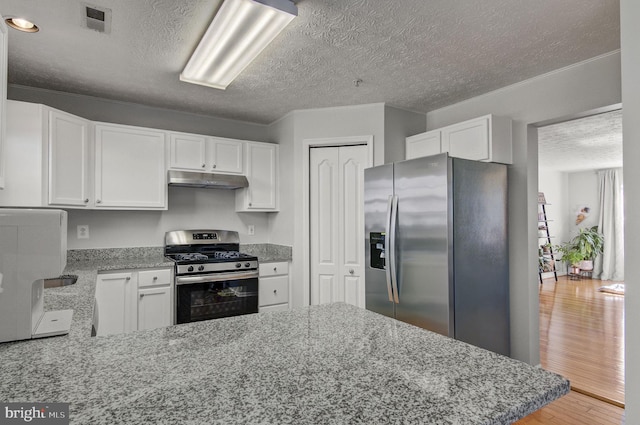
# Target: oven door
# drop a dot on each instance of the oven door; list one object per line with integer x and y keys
{"x": 216, "y": 295}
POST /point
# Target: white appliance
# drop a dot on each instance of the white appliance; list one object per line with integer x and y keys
{"x": 33, "y": 246}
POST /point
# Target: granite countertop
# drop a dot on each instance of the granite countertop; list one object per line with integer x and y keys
{"x": 86, "y": 263}
{"x": 328, "y": 364}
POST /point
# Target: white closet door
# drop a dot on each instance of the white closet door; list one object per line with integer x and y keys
{"x": 337, "y": 224}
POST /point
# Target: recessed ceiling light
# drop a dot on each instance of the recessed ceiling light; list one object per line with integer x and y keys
{"x": 22, "y": 25}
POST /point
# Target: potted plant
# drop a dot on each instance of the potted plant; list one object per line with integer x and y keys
{"x": 571, "y": 255}
{"x": 590, "y": 243}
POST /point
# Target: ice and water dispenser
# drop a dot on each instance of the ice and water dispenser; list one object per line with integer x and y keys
{"x": 377, "y": 251}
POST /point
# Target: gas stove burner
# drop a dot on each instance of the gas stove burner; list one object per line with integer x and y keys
{"x": 226, "y": 254}
{"x": 192, "y": 256}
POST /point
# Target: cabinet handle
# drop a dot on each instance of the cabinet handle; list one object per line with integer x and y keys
{"x": 86, "y": 201}
{"x": 213, "y": 166}
{"x": 275, "y": 291}
{"x": 275, "y": 269}
{"x": 127, "y": 278}
{"x": 249, "y": 203}
{"x": 351, "y": 271}
{"x": 141, "y": 295}
{"x": 155, "y": 278}
{"x": 98, "y": 201}
{"x": 204, "y": 165}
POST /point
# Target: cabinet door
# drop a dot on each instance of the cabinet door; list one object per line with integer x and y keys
{"x": 3, "y": 94}
{"x": 68, "y": 159}
{"x": 25, "y": 154}
{"x": 130, "y": 168}
{"x": 187, "y": 151}
{"x": 115, "y": 302}
{"x": 468, "y": 140}
{"x": 261, "y": 161}
{"x": 226, "y": 155}
{"x": 273, "y": 269}
{"x": 273, "y": 290}
{"x": 154, "y": 307}
{"x": 423, "y": 144}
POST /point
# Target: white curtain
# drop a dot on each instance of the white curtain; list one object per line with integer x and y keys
{"x": 610, "y": 264}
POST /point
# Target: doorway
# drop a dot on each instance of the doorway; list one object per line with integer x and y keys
{"x": 335, "y": 218}
{"x": 581, "y": 328}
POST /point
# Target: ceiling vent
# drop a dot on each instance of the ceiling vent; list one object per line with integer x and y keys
{"x": 96, "y": 18}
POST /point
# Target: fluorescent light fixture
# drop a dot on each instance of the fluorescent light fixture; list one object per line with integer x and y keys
{"x": 239, "y": 32}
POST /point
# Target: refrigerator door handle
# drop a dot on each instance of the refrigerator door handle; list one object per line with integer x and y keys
{"x": 392, "y": 248}
{"x": 387, "y": 267}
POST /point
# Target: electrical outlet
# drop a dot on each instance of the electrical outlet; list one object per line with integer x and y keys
{"x": 251, "y": 229}
{"x": 83, "y": 231}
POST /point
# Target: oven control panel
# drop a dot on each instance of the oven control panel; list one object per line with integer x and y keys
{"x": 205, "y": 236}
{"x": 217, "y": 267}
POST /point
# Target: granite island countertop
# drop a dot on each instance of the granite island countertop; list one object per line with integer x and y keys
{"x": 329, "y": 364}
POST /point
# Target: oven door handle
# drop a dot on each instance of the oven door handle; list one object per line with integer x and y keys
{"x": 216, "y": 277}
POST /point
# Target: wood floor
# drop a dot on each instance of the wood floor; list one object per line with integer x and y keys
{"x": 582, "y": 338}
{"x": 576, "y": 409}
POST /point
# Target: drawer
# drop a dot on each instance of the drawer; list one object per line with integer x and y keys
{"x": 274, "y": 269}
{"x": 154, "y": 277}
{"x": 273, "y": 290}
{"x": 277, "y": 307}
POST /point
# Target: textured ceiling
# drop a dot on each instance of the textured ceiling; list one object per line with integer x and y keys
{"x": 415, "y": 54}
{"x": 589, "y": 143}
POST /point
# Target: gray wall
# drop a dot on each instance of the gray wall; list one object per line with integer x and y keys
{"x": 360, "y": 120}
{"x": 583, "y": 192}
{"x": 563, "y": 93}
{"x": 189, "y": 208}
{"x": 398, "y": 125}
{"x": 98, "y": 109}
{"x": 630, "y": 16}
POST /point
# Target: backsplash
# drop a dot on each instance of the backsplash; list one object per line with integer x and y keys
{"x": 111, "y": 253}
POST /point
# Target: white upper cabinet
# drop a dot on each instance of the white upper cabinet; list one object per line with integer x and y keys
{"x": 25, "y": 153}
{"x": 261, "y": 162}
{"x": 130, "y": 167}
{"x": 3, "y": 94}
{"x": 226, "y": 155}
{"x": 486, "y": 138}
{"x": 69, "y": 160}
{"x": 203, "y": 153}
{"x": 423, "y": 144}
{"x": 187, "y": 151}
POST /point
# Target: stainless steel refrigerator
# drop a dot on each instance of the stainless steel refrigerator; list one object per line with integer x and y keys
{"x": 436, "y": 247}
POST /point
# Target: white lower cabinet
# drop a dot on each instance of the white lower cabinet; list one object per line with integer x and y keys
{"x": 135, "y": 300}
{"x": 273, "y": 290}
{"x": 115, "y": 304}
{"x": 154, "y": 308}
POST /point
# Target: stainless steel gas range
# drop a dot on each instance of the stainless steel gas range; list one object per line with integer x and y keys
{"x": 213, "y": 279}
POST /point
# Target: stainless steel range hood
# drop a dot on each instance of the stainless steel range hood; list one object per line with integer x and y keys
{"x": 207, "y": 180}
